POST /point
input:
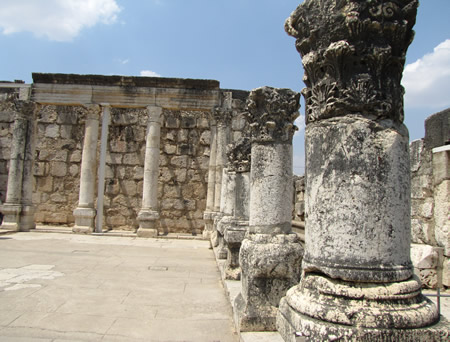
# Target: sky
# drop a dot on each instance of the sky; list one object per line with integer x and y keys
{"x": 240, "y": 43}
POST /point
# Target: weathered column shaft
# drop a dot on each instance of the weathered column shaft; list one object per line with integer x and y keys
{"x": 85, "y": 213}
{"x": 357, "y": 281}
{"x": 212, "y": 169}
{"x": 148, "y": 216}
{"x": 270, "y": 254}
{"x": 18, "y": 208}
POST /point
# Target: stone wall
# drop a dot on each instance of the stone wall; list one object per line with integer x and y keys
{"x": 184, "y": 162}
{"x": 60, "y": 132}
{"x": 430, "y": 193}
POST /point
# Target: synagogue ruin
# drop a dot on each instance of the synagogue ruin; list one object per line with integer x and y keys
{"x": 341, "y": 253}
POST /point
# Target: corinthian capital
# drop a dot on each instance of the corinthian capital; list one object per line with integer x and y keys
{"x": 353, "y": 54}
{"x": 271, "y": 113}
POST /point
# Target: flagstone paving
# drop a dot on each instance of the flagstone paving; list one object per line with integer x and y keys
{"x": 59, "y": 287}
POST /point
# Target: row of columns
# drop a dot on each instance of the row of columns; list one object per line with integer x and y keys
{"x": 18, "y": 208}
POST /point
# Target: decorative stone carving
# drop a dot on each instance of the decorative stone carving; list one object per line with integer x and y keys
{"x": 357, "y": 277}
{"x": 262, "y": 104}
{"x": 239, "y": 155}
{"x": 270, "y": 254}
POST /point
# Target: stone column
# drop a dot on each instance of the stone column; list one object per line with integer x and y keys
{"x": 85, "y": 212}
{"x": 270, "y": 254}
{"x": 149, "y": 216}
{"x": 222, "y": 116}
{"x": 357, "y": 279}
{"x": 208, "y": 215}
{"x": 237, "y": 225}
{"x": 226, "y": 210}
{"x": 18, "y": 208}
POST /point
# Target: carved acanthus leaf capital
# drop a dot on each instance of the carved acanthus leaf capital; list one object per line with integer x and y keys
{"x": 353, "y": 54}
{"x": 239, "y": 155}
{"x": 271, "y": 113}
{"x": 222, "y": 116}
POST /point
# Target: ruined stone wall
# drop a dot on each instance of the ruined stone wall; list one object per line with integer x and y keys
{"x": 430, "y": 193}
{"x": 184, "y": 162}
{"x": 299, "y": 199}
{"x": 60, "y": 132}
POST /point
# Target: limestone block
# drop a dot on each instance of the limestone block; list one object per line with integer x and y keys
{"x": 170, "y": 148}
{"x": 180, "y": 175}
{"x": 425, "y": 256}
{"x": 58, "y": 198}
{"x": 128, "y": 187}
{"x": 172, "y": 122}
{"x": 171, "y": 136}
{"x": 172, "y": 191}
{"x": 188, "y": 122}
{"x": 109, "y": 172}
{"x": 118, "y": 146}
{"x": 75, "y": 156}
{"x": 442, "y": 215}
{"x": 39, "y": 169}
{"x": 422, "y": 231}
{"x": 446, "y": 272}
{"x": 441, "y": 165}
{"x": 58, "y": 169}
{"x": 132, "y": 159}
{"x": 179, "y": 161}
{"x": 205, "y": 138}
{"x": 60, "y": 156}
{"x": 237, "y": 135}
{"x": 162, "y": 160}
{"x": 114, "y": 158}
{"x": 123, "y": 118}
{"x": 428, "y": 277}
{"x": 203, "y": 123}
{"x": 183, "y": 135}
{"x": 52, "y": 131}
{"x": 238, "y": 123}
{"x": 67, "y": 116}
{"x": 66, "y": 131}
{"x": 138, "y": 173}
{"x": 186, "y": 149}
{"x": 426, "y": 209}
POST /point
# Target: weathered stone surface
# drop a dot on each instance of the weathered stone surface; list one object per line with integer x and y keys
{"x": 437, "y": 129}
{"x": 357, "y": 279}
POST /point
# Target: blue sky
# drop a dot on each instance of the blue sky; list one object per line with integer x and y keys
{"x": 241, "y": 43}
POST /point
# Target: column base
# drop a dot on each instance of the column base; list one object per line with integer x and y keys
{"x": 270, "y": 266}
{"x": 148, "y": 223}
{"x": 208, "y": 217}
{"x": 320, "y": 308}
{"x": 18, "y": 217}
{"x": 84, "y": 220}
{"x": 234, "y": 235}
{"x": 295, "y": 327}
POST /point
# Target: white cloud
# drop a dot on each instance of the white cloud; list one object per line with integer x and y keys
{"x": 59, "y": 20}
{"x": 300, "y": 123}
{"x": 149, "y": 73}
{"x": 427, "y": 80}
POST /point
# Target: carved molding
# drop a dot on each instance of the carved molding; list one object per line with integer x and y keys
{"x": 353, "y": 54}
{"x": 271, "y": 113}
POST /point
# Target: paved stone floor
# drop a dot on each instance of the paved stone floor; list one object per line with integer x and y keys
{"x": 59, "y": 287}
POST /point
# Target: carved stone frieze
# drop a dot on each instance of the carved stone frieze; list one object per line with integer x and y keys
{"x": 239, "y": 155}
{"x": 353, "y": 54}
{"x": 271, "y": 113}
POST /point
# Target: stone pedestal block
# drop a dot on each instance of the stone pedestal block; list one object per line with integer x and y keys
{"x": 18, "y": 217}
{"x": 233, "y": 236}
{"x": 84, "y": 220}
{"x": 148, "y": 223}
{"x": 271, "y": 265}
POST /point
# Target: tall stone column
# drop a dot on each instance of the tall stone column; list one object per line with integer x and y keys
{"x": 149, "y": 216}
{"x": 18, "y": 208}
{"x": 271, "y": 253}
{"x": 85, "y": 212}
{"x": 208, "y": 215}
{"x": 236, "y": 225}
{"x": 222, "y": 116}
{"x": 357, "y": 279}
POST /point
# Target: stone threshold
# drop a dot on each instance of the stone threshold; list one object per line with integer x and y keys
{"x": 232, "y": 290}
